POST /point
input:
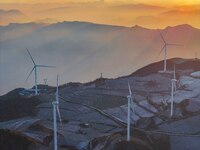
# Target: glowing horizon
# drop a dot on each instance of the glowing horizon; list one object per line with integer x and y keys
{"x": 159, "y": 2}
{"x": 153, "y": 14}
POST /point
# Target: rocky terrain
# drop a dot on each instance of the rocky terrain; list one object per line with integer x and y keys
{"x": 94, "y": 114}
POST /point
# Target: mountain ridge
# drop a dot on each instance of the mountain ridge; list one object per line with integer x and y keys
{"x": 99, "y": 24}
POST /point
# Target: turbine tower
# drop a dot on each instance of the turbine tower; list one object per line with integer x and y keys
{"x": 56, "y": 109}
{"x": 172, "y": 96}
{"x": 174, "y": 77}
{"x": 35, "y": 66}
{"x": 196, "y": 55}
{"x": 45, "y": 84}
{"x": 165, "y": 50}
{"x": 130, "y": 99}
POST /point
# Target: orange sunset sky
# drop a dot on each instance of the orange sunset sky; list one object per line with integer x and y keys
{"x": 146, "y": 13}
{"x": 176, "y": 2}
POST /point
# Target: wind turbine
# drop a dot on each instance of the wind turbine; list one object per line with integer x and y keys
{"x": 172, "y": 96}
{"x": 165, "y": 50}
{"x": 130, "y": 99}
{"x": 35, "y": 66}
{"x": 56, "y": 109}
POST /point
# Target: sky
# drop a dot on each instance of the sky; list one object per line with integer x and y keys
{"x": 177, "y": 2}
{"x": 152, "y": 14}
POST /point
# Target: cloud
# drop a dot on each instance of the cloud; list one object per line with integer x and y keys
{"x": 140, "y": 7}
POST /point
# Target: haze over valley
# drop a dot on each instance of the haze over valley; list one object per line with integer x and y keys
{"x": 82, "y": 50}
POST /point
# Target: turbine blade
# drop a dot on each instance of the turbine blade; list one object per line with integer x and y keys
{"x": 174, "y": 71}
{"x": 132, "y": 107}
{"x": 166, "y": 31}
{"x": 30, "y": 56}
{"x": 59, "y": 116}
{"x": 174, "y": 44}
{"x": 30, "y": 73}
{"x": 129, "y": 88}
{"x": 162, "y": 36}
{"x": 46, "y": 66}
{"x": 57, "y": 98}
{"x": 160, "y": 51}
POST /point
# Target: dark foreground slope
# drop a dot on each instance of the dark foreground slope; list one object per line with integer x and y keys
{"x": 13, "y": 106}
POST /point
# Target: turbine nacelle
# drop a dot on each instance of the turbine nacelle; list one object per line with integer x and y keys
{"x": 55, "y": 103}
{"x": 173, "y": 80}
{"x": 129, "y": 96}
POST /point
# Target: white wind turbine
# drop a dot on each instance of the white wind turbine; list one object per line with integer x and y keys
{"x": 172, "y": 96}
{"x": 35, "y": 70}
{"x": 165, "y": 50}
{"x": 56, "y": 109}
{"x": 130, "y": 101}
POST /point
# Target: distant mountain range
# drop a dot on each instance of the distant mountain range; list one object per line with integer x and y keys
{"x": 83, "y": 50}
{"x": 173, "y": 16}
{"x": 14, "y": 30}
{"x": 12, "y": 15}
{"x": 10, "y": 12}
{"x": 123, "y": 14}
